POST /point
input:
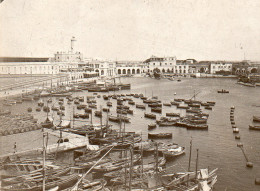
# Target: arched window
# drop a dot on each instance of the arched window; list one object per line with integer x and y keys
{"x": 102, "y": 72}
{"x": 163, "y": 70}
{"x": 124, "y": 71}
{"x": 119, "y": 71}
{"x": 133, "y": 71}
{"x": 128, "y": 71}
{"x": 138, "y": 71}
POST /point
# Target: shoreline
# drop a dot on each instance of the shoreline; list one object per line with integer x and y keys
{"x": 18, "y": 91}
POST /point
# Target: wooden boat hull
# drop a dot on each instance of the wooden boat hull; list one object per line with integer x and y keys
{"x": 160, "y": 136}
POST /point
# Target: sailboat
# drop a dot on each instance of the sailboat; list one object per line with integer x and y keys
{"x": 48, "y": 123}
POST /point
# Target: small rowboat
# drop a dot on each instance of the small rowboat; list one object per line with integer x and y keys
{"x": 254, "y": 127}
{"x": 174, "y": 152}
{"x": 151, "y": 126}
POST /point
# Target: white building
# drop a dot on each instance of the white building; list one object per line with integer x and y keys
{"x": 220, "y": 66}
{"x": 129, "y": 68}
{"x": 164, "y": 64}
{"x": 104, "y": 68}
{"x": 63, "y": 62}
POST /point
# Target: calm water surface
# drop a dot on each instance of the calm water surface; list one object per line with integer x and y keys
{"x": 217, "y": 146}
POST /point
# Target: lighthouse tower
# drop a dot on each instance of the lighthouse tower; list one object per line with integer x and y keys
{"x": 73, "y": 39}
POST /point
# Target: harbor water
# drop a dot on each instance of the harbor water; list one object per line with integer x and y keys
{"x": 217, "y": 145}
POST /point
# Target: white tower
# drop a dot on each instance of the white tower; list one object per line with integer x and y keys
{"x": 73, "y": 39}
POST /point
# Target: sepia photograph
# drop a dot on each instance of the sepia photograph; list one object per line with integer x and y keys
{"x": 129, "y": 95}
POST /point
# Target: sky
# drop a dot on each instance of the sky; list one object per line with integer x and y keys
{"x": 132, "y": 29}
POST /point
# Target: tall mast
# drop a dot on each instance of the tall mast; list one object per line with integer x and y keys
{"x": 189, "y": 161}
{"x": 73, "y": 118}
{"x": 142, "y": 162}
{"x": 43, "y": 163}
{"x": 197, "y": 161}
{"x": 190, "y": 155}
{"x": 107, "y": 120}
{"x": 156, "y": 162}
{"x": 101, "y": 116}
{"x": 91, "y": 120}
{"x": 131, "y": 166}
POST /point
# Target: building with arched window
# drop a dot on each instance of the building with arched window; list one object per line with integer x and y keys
{"x": 129, "y": 68}
{"x": 164, "y": 64}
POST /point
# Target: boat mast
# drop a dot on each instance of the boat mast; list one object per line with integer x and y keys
{"x": 73, "y": 117}
{"x": 101, "y": 121}
{"x": 91, "y": 121}
{"x": 189, "y": 161}
{"x": 142, "y": 162}
{"x": 125, "y": 153}
{"x": 156, "y": 162}
{"x": 43, "y": 163}
{"x": 131, "y": 166}
{"x": 107, "y": 120}
{"x": 197, "y": 161}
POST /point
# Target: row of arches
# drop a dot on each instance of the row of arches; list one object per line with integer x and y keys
{"x": 128, "y": 71}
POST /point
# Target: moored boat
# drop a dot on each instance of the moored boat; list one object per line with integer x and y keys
{"x": 150, "y": 115}
{"x": 254, "y": 127}
{"x": 173, "y": 152}
{"x": 256, "y": 118}
{"x": 159, "y": 135}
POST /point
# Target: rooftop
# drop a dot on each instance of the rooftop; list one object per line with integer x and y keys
{"x": 22, "y": 59}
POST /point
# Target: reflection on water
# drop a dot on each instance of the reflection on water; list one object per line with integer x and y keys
{"x": 217, "y": 146}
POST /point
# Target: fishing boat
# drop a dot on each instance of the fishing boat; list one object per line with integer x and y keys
{"x": 139, "y": 106}
{"x": 167, "y": 104}
{"x": 92, "y": 185}
{"x": 106, "y": 109}
{"x": 63, "y": 124}
{"x": 150, "y": 115}
{"x": 166, "y": 123}
{"x": 48, "y": 123}
{"x": 256, "y": 118}
{"x": 112, "y": 166}
{"x": 182, "y": 107}
{"x": 235, "y": 130}
{"x": 196, "y": 126}
{"x": 151, "y": 126}
{"x": 254, "y": 127}
{"x": 131, "y": 102}
{"x": 172, "y": 114}
{"x": 36, "y": 176}
{"x": 38, "y": 109}
{"x": 88, "y": 110}
{"x": 119, "y": 119}
{"x": 156, "y": 110}
{"x": 175, "y": 103}
{"x": 173, "y": 152}
{"x": 98, "y": 113}
{"x": 160, "y": 135}
{"x": 155, "y": 105}
{"x": 208, "y": 107}
{"x": 223, "y": 91}
{"x": 62, "y": 182}
{"x": 190, "y": 180}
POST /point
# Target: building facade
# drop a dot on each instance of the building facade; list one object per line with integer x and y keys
{"x": 220, "y": 66}
{"x": 61, "y": 63}
{"x": 103, "y": 68}
{"x": 129, "y": 68}
{"x": 164, "y": 64}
